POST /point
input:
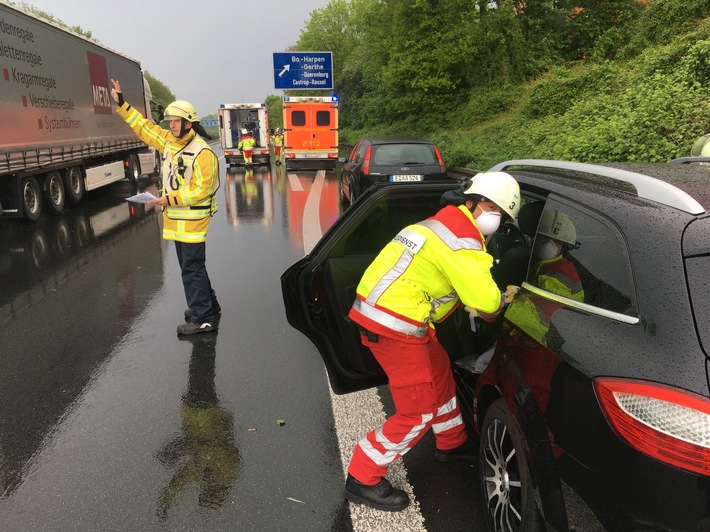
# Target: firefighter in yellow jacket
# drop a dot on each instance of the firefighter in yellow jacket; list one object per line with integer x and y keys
{"x": 419, "y": 278}
{"x": 190, "y": 179}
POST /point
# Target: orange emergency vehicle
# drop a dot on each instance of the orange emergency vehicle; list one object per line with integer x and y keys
{"x": 310, "y": 130}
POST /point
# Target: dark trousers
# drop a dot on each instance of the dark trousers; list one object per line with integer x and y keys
{"x": 201, "y": 299}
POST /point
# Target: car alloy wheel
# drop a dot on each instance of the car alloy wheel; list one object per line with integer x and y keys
{"x": 509, "y": 497}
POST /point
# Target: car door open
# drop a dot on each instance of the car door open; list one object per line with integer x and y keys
{"x": 319, "y": 289}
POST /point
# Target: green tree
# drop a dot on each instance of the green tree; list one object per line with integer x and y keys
{"x": 162, "y": 95}
{"x": 588, "y": 20}
{"x": 274, "y": 105}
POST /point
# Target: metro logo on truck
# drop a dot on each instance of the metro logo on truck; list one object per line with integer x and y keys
{"x": 98, "y": 76}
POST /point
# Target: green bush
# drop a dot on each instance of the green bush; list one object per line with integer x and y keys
{"x": 649, "y": 104}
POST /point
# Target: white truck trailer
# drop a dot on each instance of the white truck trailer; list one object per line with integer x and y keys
{"x": 59, "y": 134}
{"x": 235, "y": 117}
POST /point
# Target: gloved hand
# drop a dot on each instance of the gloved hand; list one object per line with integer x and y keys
{"x": 505, "y": 297}
{"x": 510, "y": 292}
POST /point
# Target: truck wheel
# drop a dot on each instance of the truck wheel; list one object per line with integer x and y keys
{"x": 509, "y": 497}
{"x": 54, "y": 192}
{"x": 133, "y": 171}
{"x": 74, "y": 185}
{"x": 31, "y": 199}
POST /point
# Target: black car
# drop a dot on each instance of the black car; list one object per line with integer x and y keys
{"x": 389, "y": 160}
{"x": 594, "y": 411}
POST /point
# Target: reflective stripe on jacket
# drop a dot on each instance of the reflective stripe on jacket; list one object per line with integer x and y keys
{"x": 534, "y": 314}
{"x": 191, "y": 199}
{"x": 246, "y": 143}
{"x": 421, "y": 275}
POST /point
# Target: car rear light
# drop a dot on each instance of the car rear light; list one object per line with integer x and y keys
{"x": 291, "y": 155}
{"x": 440, "y": 159}
{"x": 366, "y": 161}
{"x": 665, "y": 423}
{"x": 229, "y": 153}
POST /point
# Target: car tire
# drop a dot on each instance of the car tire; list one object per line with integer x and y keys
{"x": 344, "y": 203}
{"x": 509, "y": 498}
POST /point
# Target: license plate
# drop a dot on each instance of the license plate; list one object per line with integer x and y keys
{"x": 406, "y": 177}
{"x": 313, "y": 155}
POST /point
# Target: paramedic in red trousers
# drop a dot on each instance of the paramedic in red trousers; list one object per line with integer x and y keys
{"x": 246, "y": 144}
{"x": 190, "y": 179}
{"x": 419, "y": 278}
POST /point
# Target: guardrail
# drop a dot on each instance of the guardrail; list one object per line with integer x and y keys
{"x": 457, "y": 172}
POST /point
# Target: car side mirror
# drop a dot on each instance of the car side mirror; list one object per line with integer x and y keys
{"x": 342, "y": 159}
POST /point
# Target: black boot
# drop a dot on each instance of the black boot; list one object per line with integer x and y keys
{"x": 381, "y": 496}
{"x": 466, "y": 452}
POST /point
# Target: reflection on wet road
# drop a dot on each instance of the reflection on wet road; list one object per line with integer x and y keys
{"x": 109, "y": 421}
{"x": 58, "y": 277}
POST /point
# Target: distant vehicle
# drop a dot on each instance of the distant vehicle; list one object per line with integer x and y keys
{"x": 389, "y": 160}
{"x": 254, "y": 117}
{"x": 593, "y": 410}
{"x": 60, "y": 135}
{"x": 310, "y": 131}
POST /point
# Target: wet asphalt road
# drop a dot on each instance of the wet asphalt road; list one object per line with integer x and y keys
{"x": 109, "y": 421}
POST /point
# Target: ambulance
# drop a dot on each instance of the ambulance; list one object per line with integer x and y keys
{"x": 310, "y": 131}
{"x": 236, "y": 117}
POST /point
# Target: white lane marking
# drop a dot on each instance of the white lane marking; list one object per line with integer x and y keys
{"x": 295, "y": 183}
{"x": 311, "y": 213}
{"x": 357, "y": 413}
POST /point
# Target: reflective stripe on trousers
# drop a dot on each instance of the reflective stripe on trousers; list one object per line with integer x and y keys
{"x": 424, "y": 395}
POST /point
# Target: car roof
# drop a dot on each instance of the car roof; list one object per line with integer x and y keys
{"x": 674, "y": 185}
{"x": 396, "y": 140}
{"x": 693, "y": 179}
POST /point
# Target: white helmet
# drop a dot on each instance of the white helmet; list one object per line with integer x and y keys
{"x": 181, "y": 109}
{"x": 498, "y": 187}
{"x": 556, "y": 224}
{"x": 244, "y": 132}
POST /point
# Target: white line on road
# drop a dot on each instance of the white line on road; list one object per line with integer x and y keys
{"x": 295, "y": 183}
{"x": 357, "y": 413}
{"x": 311, "y": 213}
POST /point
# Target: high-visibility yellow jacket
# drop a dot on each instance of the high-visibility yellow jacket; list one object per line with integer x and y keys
{"x": 190, "y": 174}
{"x": 246, "y": 143}
{"x": 557, "y": 275}
{"x": 421, "y": 276}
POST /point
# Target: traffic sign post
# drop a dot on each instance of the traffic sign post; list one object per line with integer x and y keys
{"x": 303, "y": 70}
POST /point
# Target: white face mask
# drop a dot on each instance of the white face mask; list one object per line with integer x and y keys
{"x": 488, "y": 222}
{"x": 546, "y": 250}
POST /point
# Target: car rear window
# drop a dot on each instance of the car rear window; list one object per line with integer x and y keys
{"x": 397, "y": 154}
{"x": 323, "y": 118}
{"x": 298, "y": 118}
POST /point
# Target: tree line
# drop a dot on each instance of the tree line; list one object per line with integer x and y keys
{"x": 448, "y": 68}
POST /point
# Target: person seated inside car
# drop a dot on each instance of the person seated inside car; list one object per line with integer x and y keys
{"x": 553, "y": 272}
{"x": 512, "y": 267}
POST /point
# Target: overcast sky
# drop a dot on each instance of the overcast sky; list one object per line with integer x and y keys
{"x": 207, "y": 51}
